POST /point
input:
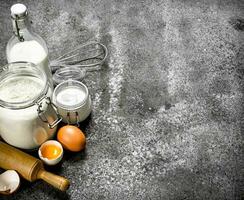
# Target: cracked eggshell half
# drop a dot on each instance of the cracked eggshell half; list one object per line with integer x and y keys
{"x": 9, "y": 182}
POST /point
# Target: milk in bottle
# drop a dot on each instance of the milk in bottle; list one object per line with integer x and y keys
{"x": 25, "y": 45}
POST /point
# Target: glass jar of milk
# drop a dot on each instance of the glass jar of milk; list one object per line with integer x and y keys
{"x": 25, "y": 45}
{"x": 27, "y": 116}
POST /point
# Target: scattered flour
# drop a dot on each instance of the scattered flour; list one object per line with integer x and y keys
{"x": 116, "y": 75}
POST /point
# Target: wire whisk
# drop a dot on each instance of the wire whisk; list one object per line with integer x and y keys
{"x": 88, "y": 56}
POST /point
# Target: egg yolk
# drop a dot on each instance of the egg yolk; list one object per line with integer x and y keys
{"x": 50, "y": 151}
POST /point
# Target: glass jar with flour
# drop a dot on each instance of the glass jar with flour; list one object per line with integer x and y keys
{"x": 25, "y": 45}
{"x": 27, "y": 116}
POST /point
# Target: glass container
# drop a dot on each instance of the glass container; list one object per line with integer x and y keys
{"x": 73, "y": 101}
{"x": 27, "y": 116}
{"x": 26, "y": 45}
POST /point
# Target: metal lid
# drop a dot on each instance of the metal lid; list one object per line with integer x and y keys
{"x": 18, "y": 10}
{"x": 70, "y": 95}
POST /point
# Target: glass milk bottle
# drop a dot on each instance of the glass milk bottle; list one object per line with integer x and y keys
{"x": 25, "y": 45}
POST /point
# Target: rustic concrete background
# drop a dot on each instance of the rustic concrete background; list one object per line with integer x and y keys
{"x": 167, "y": 119}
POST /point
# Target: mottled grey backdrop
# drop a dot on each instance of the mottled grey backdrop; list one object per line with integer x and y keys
{"x": 167, "y": 119}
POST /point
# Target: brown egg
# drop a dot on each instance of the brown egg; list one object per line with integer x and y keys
{"x": 71, "y": 138}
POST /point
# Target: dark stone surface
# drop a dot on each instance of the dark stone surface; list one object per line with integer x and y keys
{"x": 167, "y": 120}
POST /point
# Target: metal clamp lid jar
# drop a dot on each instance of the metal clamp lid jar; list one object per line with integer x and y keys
{"x": 73, "y": 101}
{"x": 27, "y": 116}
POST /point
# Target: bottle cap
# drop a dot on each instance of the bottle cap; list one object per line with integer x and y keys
{"x": 18, "y": 10}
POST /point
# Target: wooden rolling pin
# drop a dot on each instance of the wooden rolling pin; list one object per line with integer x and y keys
{"x": 29, "y": 167}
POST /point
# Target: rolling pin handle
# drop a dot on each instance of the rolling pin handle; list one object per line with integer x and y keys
{"x": 54, "y": 180}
